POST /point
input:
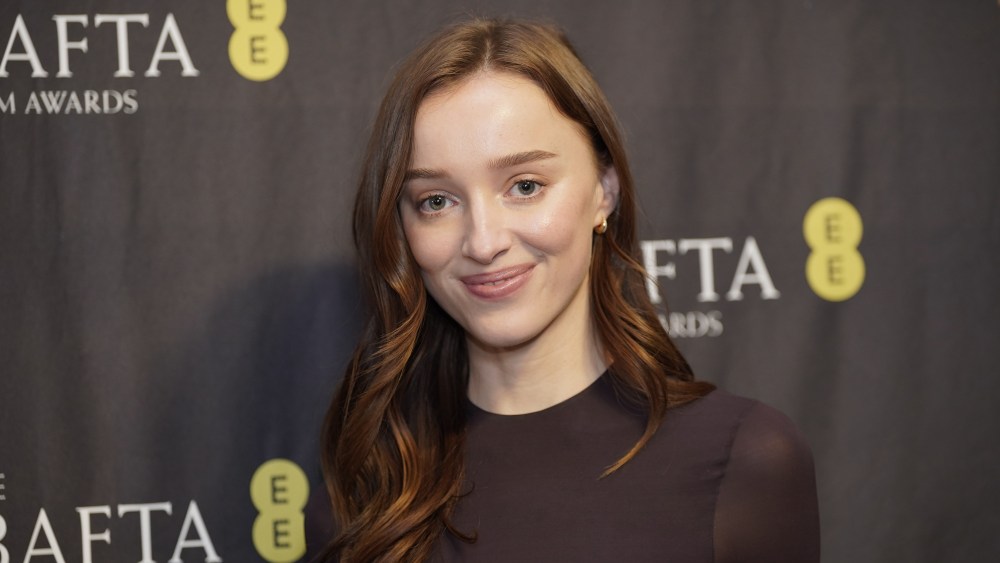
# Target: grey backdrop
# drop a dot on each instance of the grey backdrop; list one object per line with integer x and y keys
{"x": 177, "y": 291}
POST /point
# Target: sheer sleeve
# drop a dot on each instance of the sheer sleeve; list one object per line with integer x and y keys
{"x": 319, "y": 524}
{"x": 767, "y": 509}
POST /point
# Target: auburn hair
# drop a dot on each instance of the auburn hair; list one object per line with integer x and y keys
{"x": 393, "y": 438}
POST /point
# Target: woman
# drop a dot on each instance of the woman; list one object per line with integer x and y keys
{"x": 514, "y": 397}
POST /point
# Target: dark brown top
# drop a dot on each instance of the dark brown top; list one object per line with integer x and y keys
{"x": 725, "y": 479}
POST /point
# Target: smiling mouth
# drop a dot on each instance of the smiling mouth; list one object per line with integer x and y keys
{"x": 499, "y": 284}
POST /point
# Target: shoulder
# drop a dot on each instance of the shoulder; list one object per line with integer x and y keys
{"x": 759, "y": 436}
{"x": 767, "y": 509}
{"x": 768, "y": 442}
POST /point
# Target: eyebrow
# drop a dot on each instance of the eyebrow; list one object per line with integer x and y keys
{"x": 498, "y": 163}
{"x": 519, "y": 158}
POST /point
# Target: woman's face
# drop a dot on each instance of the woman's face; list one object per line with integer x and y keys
{"x": 499, "y": 207}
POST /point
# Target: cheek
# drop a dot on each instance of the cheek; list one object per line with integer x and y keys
{"x": 430, "y": 247}
{"x": 560, "y": 228}
{"x": 550, "y": 233}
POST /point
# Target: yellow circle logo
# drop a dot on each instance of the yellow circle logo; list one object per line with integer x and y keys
{"x": 258, "y": 49}
{"x": 835, "y": 269}
{"x": 279, "y": 490}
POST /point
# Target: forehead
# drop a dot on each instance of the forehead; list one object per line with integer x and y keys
{"x": 492, "y": 112}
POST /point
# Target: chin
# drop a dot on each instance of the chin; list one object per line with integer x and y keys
{"x": 500, "y": 338}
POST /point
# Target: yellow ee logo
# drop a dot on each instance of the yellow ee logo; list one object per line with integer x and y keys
{"x": 835, "y": 269}
{"x": 258, "y": 48}
{"x": 279, "y": 490}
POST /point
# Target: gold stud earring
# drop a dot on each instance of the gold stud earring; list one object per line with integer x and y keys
{"x": 602, "y": 228}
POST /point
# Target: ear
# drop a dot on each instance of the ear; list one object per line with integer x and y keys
{"x": 609, "y": 199}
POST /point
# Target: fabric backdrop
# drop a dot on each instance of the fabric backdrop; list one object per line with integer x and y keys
{"x": 819, "y": 186}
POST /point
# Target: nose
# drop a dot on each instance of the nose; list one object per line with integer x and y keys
{"x": 487, "y": 236}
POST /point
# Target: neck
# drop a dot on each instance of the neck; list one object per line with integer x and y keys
{"x": 548, "y": 369}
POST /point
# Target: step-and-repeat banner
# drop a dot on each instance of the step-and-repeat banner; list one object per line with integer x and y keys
{"x": 820, "y": 188}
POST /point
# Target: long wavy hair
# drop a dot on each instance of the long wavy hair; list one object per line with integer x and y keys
{"x": 393, "y": 439}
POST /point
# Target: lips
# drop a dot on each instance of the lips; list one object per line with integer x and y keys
{"x": 498, "y": 284}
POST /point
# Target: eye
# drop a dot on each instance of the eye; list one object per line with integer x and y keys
{"x": 525, "y": 188}
{"x": 434, "y": 203}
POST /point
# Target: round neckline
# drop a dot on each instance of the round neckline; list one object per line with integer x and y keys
{"x": 593, "y": 387}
